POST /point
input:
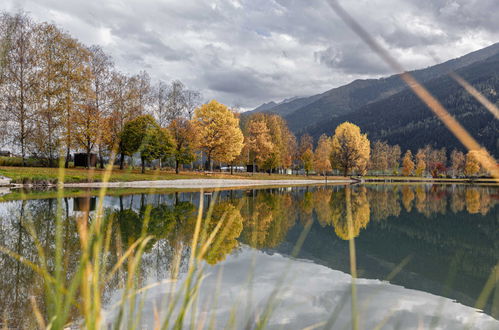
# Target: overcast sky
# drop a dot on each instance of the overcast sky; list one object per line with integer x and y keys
{"x": 246, "y": 52}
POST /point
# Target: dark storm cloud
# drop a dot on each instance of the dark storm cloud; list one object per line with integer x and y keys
{"x": 245, "y": 52}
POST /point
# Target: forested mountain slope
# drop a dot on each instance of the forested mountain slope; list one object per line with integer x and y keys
{"x": 403, "y": 119}
{"x": 301, "y": 113}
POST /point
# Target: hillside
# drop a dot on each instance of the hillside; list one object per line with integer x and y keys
{"x": 301, "y": 113}
{"x": 403, "y": 119}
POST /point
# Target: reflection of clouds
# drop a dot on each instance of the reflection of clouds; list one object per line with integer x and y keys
{"x": 311, "y": 293}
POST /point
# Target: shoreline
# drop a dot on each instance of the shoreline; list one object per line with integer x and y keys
{"x": 203, "y": 183}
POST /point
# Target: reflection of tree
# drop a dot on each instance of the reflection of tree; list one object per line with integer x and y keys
{"x": 472, "y": 201}
{"x": 420, "y": 199}
{"x": 359, "y": 207}
{"x": 384, "y": 202}
{"x": 267, "y": 218}
{"x": 322, "y": 198}
{"x": 458, "y": 200}
{"x": 306, "y": 207}
{"x": 407, "y": 198}
{"x": 18, "y": 282}
{"x": 161, "y": 220}
{"x": 226, "y": 238}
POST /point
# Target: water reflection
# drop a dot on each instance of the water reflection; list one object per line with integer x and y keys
{"x": 449, "y": 231}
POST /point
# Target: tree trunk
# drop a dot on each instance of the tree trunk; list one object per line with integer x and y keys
{"x": 231, "y": 169}
{"x": 88, "y": 159}
{"x": 66, "y": 162}
{"x": 101, "y": 158}
{"x": 143, "y": 165}
{"x": 177, "y": 166}
{"x": 122, "y": 160}
{"x": 210, "y": 164}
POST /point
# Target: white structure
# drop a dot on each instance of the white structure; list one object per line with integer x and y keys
{"x": 4, "y": 181}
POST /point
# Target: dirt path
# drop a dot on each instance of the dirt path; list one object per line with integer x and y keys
{"x": 201, "y": 183}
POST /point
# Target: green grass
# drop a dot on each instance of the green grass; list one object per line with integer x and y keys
{"x": 77, "y": 175}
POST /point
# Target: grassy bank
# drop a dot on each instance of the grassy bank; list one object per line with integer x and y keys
{"x": 399, "y": 179}
{"x": 77, "y": 175}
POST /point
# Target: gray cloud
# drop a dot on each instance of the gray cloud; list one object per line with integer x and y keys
{"x": 245, "y": 52}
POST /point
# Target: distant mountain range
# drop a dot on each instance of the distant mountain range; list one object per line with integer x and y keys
{"x": 386, "y": 109}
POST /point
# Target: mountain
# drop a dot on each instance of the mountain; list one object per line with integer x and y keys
{"x": 265, "y": 106}
{"x": 306, "y": 112}
{"x": 285, "y": 107}
{"x": 404, "y": 119}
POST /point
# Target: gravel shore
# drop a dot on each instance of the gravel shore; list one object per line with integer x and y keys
{"x": 201, "y": 183}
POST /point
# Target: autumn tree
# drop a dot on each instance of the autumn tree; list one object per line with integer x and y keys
{"x": 322, "y": 162}
{"x": 76, "y": 77}
{"x": 88, "y": 123}
{"x": 307, "y": 159}
{"x": 458, "y": 162}
{"x": 101, "y": 67}
{"x": 472, "y": 165}
{"x": 394, "y": 154}
{"x": 350, "y": 149}
{"x": 436, "y": 161}
{"x": 420, "y": 162}
{"x": 269, "y": 141}
{"x": 407, "y": 164}
{"x": 19, "y": 80}
{"x": 379, "y": 156}
{"x": 183, "y": 133}
{"x": 48, "y": 116}
{"x": 218, "y": 132}
{"x": 259, "y": 140}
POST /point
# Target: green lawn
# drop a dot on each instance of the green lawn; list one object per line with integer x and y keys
{"x": 74, "y": 175}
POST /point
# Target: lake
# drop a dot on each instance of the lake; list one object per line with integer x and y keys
{"x": 422, "y": 255}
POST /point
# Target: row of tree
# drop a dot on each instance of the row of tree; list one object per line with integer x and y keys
{"x": 428, "y": 161}
{"x": 57, "y": 94}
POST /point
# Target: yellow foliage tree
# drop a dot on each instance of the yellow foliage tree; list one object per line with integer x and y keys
{"x": 307, "y": 159}
{"x": 420, "y": 162}
{"x": 322, "y": 162}
{"x": 472, "y": 165}
{"x": 350, "y": 149}
{"x": 218, "y": 132}
{"x": 407, "y": 164}
{"x": 259, "y": 141}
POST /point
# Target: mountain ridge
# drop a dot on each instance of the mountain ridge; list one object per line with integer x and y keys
{"x": 405, "y": 120}
{"x": 305, "y": 112}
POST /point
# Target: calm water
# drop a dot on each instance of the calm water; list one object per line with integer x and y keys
{"x": 424, "y": 253}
